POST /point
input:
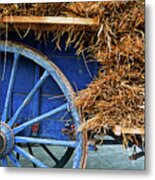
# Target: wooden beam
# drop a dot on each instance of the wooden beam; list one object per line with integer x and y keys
{"x": 49, "y": 20}
{"x": 44, "y": 27}
{"x": 118, "y": 130}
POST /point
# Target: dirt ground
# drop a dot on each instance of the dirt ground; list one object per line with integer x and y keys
{"x": 112, "y": 157}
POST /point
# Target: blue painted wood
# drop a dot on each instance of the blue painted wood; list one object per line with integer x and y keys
{"x": 20, "y": 139}
{"x": 79, "y": 142}
{"x": 59, "y": 86}
{"x": 75, "y": 69}
{"x": 72, "y": 65}
{"x": 23, "y": 153}
{"x": 52, "y": 69}
{"x": 69, "y": 64}
{"x": 28, "y": 98}
{"x": 10, "y": 88}
{"x": 5, "y": 82}
{"x": 39, "y": 118}
{"x": 36, "y": 99}
{"x": 13, "y": 160}
{"x": 51, "y": 128}
{"x": 25, "y": 75}
{"x": 4, "y": 162}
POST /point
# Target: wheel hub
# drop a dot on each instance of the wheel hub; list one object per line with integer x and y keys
{"x": 2, "y": 142}
{"x": 6, "y": 139}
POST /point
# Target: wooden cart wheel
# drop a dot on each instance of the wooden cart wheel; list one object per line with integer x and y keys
{"x": 11, "y": 142}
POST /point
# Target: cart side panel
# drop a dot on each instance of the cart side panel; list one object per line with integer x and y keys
{"x": 79, "y": 73}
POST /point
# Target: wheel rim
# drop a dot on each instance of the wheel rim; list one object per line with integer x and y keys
{"x": 50, "y": 70}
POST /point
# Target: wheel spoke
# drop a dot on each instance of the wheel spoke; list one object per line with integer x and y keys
{"x": 10, "y": 88}
{"x": 78, "y": 151}
{"x": 13, "y": 160}
{"x": 4, "y": 162}
{"x": 31, "y": 152}
{"x": 18, "y": 155}
{"x": 39, "y": 118}
{"x": 49, "y": 153}
{"x": 30, "y": 157}
{"x": 20, "y": 139}
{"x": 28, "y": 98}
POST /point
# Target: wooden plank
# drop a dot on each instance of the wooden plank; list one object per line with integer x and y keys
{"x": 50, "y": 20}
{"x": 118, "y": 130}
{"x": 48, "y": 27}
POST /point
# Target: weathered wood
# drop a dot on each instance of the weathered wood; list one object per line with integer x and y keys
{"x": 118, "y": 130}
{"x": 43, "y": 27}
{"x": 50, "y": 20}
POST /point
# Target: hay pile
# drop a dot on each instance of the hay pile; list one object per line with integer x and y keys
{"x": 116, "y": 97}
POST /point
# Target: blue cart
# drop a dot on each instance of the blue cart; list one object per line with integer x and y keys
{"x": 37, "y": 88}
{"x": 37, "y": 91}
